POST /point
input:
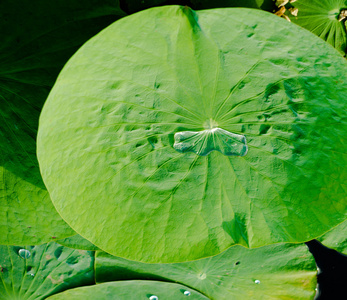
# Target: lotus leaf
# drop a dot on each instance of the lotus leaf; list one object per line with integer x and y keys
{"x": 37, "y": 38}
{"x": 325, "y": 18}
{"x": 131, "y": 6}
{"x": 36, "y": 272}
{"x": 106, "y": 140}
{"x": 77, "y": 242}
{"x": 134, "y": 289}
{"x": 268, "y": 5}
{"x": 336, "y": 238}
{"x": 283, "y": 271}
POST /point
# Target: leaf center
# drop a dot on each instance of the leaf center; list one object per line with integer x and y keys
{"x": 214, "y": 138}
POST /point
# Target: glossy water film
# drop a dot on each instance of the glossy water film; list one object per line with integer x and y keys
{"x": 23, "y": 253}
{"x": 204, "y": 142}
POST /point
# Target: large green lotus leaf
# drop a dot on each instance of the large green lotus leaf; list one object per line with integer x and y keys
{"x": 134, "y": 289}
{"x": 37, "y": 38}
{"x": 323, "y": 18}
{"x": 336, "y": 238}
{"x": 36, "y": 272}
{"x": 194, "y": 131}
{"x": 77, "y": 242}
{"x": 284, "y": 271}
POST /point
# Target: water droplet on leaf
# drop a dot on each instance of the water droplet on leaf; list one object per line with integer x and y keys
{"x": 23, "y": 253}
{"x": 187, "y": 293}
{"x": 257, "y": 281}
{"x": 205, "y": 141}
{"x": 153, "y": 297}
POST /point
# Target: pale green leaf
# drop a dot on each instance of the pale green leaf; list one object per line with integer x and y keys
{"x": 107, "y": 134}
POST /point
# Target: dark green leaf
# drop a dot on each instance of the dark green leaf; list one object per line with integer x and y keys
{"x": 35, "y": 272}
{"x": 131, "y": 6}
{"x": 268, "y": 5}
{"x": 37, "y": 38}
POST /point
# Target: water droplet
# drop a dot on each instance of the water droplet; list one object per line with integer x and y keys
{"x": 187, "y": 293}
{"x": 153, "y": 297}
{"x": 205, "y": 141}
{"x": 257, "y": 281}
{"x": 23, "y": 253}
{"x": 32, "y": 275}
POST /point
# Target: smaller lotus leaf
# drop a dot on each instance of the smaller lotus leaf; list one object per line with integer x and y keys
{"x": 77, "y": 242}
{"x": 283, "y": 271}
{"x": 325, "y": 18}
{"x": 36, "y": 272}
{"x": 134, "y": 289}
{"x": 336, "y": 238}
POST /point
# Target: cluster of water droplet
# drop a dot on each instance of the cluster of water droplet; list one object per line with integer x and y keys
{"x": 154, "y": 297}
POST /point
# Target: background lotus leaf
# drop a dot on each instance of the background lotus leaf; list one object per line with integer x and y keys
{"x": 132, "y": 6}
{"x": 77, "y": 242}
{"x": 35, "y": 272}
{"x": 134, "y": 289}
{"x": 268, "y": 5}
{"x": 37, "y": 38}
{"x": 325, "y": 18}
{"x": 106, "y": 134}
{"x": 283, "y": 271}
{"x": 336, "y": 238}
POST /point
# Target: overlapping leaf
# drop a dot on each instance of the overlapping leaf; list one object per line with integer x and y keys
{"x": 77, "y": 242}
{"x": 272, "y": 272}
{"x": 134, "y": 289}
{"x": 37, "y": 38}
{"x": 336, "y": 238}
{"x": 325, "y": 18}
{"x": 106, "y": 137}
{"x": 35, "y": 272}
